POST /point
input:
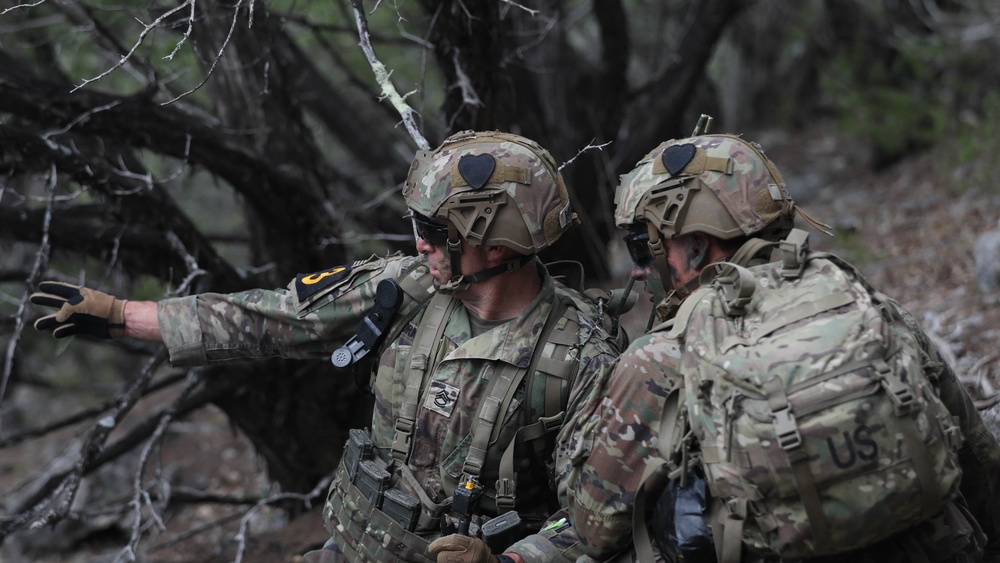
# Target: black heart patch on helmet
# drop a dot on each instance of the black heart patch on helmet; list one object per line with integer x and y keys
{"x": 676, "y": 157}
{"x": 477, "y": 169}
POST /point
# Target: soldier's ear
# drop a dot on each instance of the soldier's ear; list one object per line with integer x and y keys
{"x": 697, "y": 250}
{"x": 500, "y": 253}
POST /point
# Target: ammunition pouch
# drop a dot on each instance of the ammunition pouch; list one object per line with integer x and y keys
{"x": 364, "y": 532}
{"x": 503, "y": 531}
{"x": 377, "y": 511}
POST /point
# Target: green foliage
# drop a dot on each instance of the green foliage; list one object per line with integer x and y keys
{"x": 853, "y": 246}
{"x": 975, "y": 144}
{"x": 890, "y": 105}
{"x": 148, "y": 288}
{"x": 906, "y": 74}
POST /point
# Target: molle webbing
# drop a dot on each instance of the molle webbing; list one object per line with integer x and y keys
{"x": 699, "y": 163}
{"x": 361, "y": 530}
{"x": 502, "y": 173}
{"x": 426, "y": 346}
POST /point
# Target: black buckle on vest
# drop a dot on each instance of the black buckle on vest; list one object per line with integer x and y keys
{"x": 505, "y": 495}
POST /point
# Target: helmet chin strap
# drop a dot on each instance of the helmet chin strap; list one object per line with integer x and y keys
{"x": 674, "y": 295}
{"x": 658, "y": 248}
{"x": 458, "y": 281}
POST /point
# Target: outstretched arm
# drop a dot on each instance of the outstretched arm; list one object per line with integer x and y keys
{"x": 141, "y": 321}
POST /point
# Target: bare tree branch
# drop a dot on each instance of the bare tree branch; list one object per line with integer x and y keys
{"x": 142, "y": 36}
{"x": 41, "y": 263}
{"x": 85, "y": 414}
{"x": 307, "y": 500}
{"x": 521, "y": 7}
{"x": 140, "y": 496}
{"x": 56, "y": 504}
{"x": 24, "y": 5}
{"x": 382, "y": 76}
{"x": 218, "y": 57}
{"x": 590, "y": 146}
{"x": 48, "y": 503}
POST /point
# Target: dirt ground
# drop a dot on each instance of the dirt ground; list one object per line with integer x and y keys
{"x": 910, "y": 229}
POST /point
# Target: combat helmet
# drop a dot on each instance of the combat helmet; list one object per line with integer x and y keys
{"x": 488, "y": 188}
{"x": 720, "y": 185}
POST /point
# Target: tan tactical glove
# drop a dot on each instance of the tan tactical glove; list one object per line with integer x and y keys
{"x": 457, "y": 548}
{"x": 81, "y": 311}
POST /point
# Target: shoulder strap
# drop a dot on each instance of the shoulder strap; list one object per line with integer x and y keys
{"x": 551, "y": 357}
{"x": 423, "y": 355}
{"x": 640, "y": 532}
{"x": 678, "y": 325}
{"x": 417, "y": 286}
{"x": 667, "y": 438}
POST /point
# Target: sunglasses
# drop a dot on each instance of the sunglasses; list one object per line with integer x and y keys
{"x": 638, "y": 248}
{"x": 436, "y": 234}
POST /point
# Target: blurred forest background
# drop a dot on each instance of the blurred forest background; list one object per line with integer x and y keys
{"x": 162, "y": 148}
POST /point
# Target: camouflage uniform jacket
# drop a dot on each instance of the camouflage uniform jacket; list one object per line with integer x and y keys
{"x": 604, "y": 451}
{"x": 216, "y": 328}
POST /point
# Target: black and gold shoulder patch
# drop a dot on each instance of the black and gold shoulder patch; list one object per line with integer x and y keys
{"x": 307, "y": 285}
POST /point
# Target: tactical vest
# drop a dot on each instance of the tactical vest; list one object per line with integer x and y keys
{"x": 354, "y": 515}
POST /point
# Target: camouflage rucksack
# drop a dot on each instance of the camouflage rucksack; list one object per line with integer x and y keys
{"x": 814, "y": 408}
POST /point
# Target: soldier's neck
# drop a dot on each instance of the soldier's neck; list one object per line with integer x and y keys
{"x": 504, "y": 296}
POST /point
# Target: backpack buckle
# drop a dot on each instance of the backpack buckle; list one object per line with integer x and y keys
{"x": 786, "y": 430}
{"x": 793, "y": 250}
{"x": 899, "y": 393}
{"x": 901, "y": 396}
{"x": 735, "y": 285}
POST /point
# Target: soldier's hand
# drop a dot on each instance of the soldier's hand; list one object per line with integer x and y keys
{"x": 81, "y": 311}
{"x": 457, "y": 548}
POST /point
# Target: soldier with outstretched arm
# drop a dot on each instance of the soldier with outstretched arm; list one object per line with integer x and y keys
{"x": 479, "y": 356}
{"x": 780, "y": 410}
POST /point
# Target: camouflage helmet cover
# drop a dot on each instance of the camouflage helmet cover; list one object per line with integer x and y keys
{"x": 494, "y": 189}
{"x": 720, "y": 185}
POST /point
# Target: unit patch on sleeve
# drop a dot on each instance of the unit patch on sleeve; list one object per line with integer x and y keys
{"x": 307, "y": 285}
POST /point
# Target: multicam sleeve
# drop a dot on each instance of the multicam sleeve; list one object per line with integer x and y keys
{"x": 556, "y": 543}
{"x": 979, "y": 455}
{"x": 980, "y": 461}
{"x": 308, "y": 319}
{"x": 605, "y": 449}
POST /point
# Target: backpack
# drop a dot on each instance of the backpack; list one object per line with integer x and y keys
{"x": 814, "y": 408}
